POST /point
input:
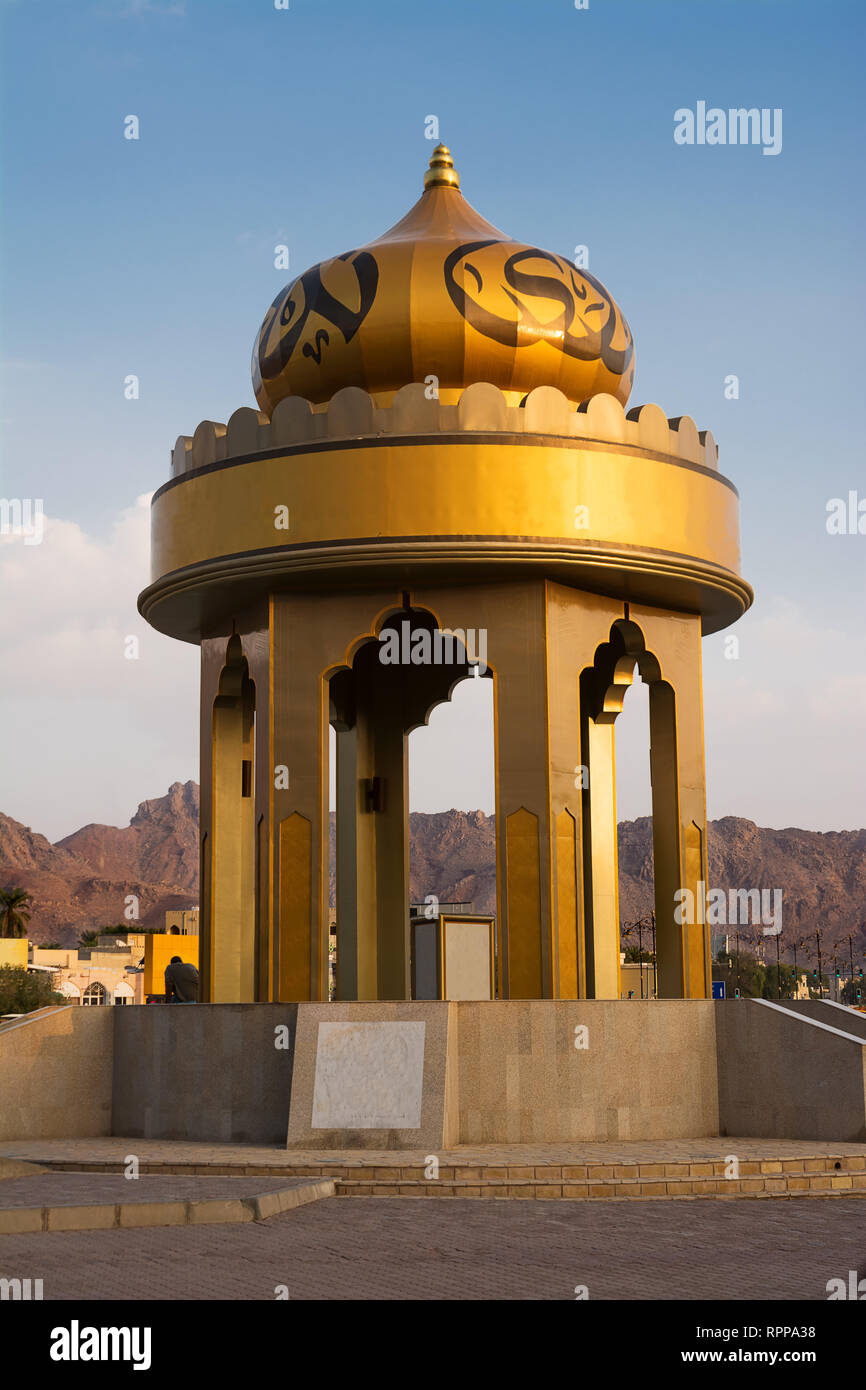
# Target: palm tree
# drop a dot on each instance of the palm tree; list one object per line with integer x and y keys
{"x": 88, "y": 939}
{"x": 15, "y": 904}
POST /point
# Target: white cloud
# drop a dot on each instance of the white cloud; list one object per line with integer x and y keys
{"x": 785, "y": 722}
{"x": 71, "y": 604}
{"x": 86, "y": 733}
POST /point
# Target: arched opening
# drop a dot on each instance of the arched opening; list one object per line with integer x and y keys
{"x": 634, "y": 843}
{"x": 95, "y": 993}
{"x": 395, "y": 681}
{"x": 230, "y": 951}
{"x": 604, "y": 687}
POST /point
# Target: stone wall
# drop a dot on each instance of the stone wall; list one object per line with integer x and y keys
{"x": 828, "y": 1011}
{"x": 785, "y": 1075}
{"x": 56, "y": 1073}
{"x": 644, "y": 1069}
{"x": 209, "y": 1072}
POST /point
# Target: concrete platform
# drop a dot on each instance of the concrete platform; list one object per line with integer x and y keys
{"x": 97, "y": 1200}
{"x": 670, "y": 1168}
{"x": 352, "y": 1076}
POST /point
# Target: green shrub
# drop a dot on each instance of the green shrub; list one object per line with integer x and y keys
{"x": 22, "y": 992}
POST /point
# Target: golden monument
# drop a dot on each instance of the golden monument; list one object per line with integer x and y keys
{"x": 442, "y": 476}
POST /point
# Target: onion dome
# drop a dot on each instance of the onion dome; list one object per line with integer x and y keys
{"x": 446, "y": 299}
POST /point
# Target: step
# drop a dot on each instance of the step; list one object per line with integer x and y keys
{"x": 822, "y": 1175}
{"x": 20, "y": 1213}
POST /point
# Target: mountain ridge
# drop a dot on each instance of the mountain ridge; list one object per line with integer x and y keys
{"x": 84, "y": 881}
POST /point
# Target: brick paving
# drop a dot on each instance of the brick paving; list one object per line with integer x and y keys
{"x": 655, "y": 1151}
{"x": 684, "y": 1169}
{"x": 370, "y": 1248}
{"x": 74, "y": 1189}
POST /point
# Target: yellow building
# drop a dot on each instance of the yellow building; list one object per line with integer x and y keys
{"x": 13, "y": 950}
{"x": 158, "y": 952}
{"x": 442, "y": 476}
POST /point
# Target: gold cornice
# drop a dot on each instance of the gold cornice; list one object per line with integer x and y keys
{"x": 179, "y": 603}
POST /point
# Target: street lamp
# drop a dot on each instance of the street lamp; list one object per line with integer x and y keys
{"x": 800, "y": 944}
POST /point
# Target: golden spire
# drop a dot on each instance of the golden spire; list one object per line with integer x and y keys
{"x": 441, "y": 173}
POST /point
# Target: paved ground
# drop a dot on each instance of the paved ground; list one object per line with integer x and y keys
{"x": 470, "y": 1155}
{"x": 78, "y": 1189}
{"x": 406, "y": 1248}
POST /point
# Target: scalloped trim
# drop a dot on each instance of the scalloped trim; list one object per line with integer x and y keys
{"x": 353, "y": 414}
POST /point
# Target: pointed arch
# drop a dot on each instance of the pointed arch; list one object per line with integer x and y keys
{"x": 231, "y": 954}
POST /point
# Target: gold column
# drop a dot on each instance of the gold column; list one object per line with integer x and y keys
{"x": 583, "y": 801}
{"x": 231, "y": 960}
{"x": 679, "y": 798}
{"x": 314, "y": 637}
{"x": 382, "y": 833}
{"x": 347, "y": 863}
{"x": 213, "y": 651}
{"x": 300, "y": 799}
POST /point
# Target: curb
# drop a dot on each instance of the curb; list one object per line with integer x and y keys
{"x": 213, "y": 1211}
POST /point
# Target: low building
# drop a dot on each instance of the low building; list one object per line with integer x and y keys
{"x": 93, "y": 975}
{"x": 182, "y": 921}
{"x": 637, "y": 979}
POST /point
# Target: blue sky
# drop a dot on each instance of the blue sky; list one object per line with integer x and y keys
{"x": 306, "y": 126}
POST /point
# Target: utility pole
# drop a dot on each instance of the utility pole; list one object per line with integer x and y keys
{"x": 626, "y": 929}
{"x": 800, "y": 942}
{"x": 820, "y": 969}
{"x": 640, "y": 952}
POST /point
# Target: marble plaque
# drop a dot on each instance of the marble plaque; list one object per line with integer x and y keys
{"x": 369, "y": 1076}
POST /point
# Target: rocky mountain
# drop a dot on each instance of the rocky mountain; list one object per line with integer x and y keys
{"x": 160, "y": 844}
{"x": 821, "y": 874}
{"x": 451, "y": 854}
{"x": 82, "y": 881}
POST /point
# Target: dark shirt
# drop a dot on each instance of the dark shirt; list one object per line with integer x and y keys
{"x": 181, "y": 983}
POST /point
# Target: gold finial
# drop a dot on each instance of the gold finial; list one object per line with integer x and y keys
{"x": 441, "y": 173}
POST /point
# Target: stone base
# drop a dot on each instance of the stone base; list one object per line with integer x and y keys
{"x": 426, "y": 1076}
